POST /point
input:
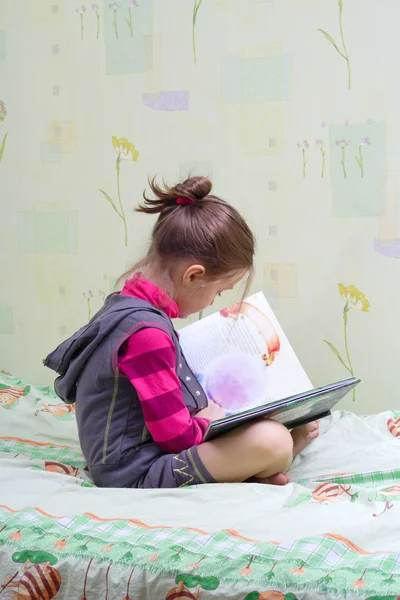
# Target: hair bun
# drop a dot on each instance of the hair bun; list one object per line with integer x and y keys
{"x": 195, "y": 187}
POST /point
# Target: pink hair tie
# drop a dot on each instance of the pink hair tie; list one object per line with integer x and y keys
{"x": 184, "y": 200}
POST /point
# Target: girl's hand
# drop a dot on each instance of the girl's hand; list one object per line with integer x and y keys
{"x": 213, "y": 412}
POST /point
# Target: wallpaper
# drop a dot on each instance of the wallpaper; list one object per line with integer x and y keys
{"x": 290, "y": 106}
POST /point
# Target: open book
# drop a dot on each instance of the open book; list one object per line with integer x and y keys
{"x": 245, "y": 363}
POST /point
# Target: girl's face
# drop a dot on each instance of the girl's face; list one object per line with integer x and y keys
{"x": 197, "y": 293}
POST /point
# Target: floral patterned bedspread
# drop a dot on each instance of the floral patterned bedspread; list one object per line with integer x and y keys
{"x": 334, "y": 532}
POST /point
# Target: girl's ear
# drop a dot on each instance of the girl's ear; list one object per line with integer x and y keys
{"x": 193, "y": 274}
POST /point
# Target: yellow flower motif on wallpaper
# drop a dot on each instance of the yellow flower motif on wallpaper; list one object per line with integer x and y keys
{"x": 125, "y": 151}
{"x": 353, "y": 300}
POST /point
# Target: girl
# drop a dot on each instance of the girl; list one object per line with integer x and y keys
{"x": 140, "y": 411}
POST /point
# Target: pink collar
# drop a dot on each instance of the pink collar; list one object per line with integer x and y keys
{"x": 146, "y": 290}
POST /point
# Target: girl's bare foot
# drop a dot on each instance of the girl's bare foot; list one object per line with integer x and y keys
{"x": 302, "y": 436}
{"x": 277, "y": 479}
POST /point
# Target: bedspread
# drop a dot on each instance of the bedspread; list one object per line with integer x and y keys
{"x": 333, "y": 532}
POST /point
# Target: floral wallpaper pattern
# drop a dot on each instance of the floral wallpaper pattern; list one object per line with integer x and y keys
{"x": 290, "y": 106}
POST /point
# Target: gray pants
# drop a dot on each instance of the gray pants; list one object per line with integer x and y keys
{"x": 175, "y": 470}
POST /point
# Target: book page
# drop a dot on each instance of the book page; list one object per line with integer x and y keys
{"x": 242, "y": 358}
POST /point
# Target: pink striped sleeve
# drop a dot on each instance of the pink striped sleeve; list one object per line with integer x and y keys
{"x": 148, "y": 360}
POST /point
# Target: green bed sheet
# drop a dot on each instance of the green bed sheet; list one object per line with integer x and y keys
{"x": 333, "y": 532}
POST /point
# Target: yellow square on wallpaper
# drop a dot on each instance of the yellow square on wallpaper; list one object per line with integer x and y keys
{"x": 281, "y": 277}
{"x": 262, "y": 129}
{"x": 153, "y": 48}
{"x": 63, "y": 134}
{"x": 53, "y": 277}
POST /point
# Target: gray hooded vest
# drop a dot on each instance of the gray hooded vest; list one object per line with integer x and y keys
{"x": 114, "y": 439}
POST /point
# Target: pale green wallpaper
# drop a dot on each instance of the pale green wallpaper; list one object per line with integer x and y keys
{"x": 290, "y": 106}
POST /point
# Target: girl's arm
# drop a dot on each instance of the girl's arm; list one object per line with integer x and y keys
{"x": 148, "y": 360}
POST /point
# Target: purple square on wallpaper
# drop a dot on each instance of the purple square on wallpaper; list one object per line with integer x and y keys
{"x": 167, "y": 100}
{"x": 388, "y": 247}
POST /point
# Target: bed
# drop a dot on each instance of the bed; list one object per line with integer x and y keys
{"x": 333, "y": 532}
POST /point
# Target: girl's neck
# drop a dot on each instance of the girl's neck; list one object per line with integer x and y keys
{"x": 161, "y": 280}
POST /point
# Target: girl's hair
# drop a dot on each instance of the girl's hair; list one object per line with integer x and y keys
{"x": 194, "y": 224}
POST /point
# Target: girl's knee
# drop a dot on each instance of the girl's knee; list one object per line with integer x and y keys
{"x": 272, "y": 438}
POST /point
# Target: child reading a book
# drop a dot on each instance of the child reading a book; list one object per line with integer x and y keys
{"x": 141, "y": 413}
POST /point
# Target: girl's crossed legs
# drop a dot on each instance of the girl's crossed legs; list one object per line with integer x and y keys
{"x": 264, "y": 450}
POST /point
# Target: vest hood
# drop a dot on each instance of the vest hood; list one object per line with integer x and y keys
{"x": 70, "y": 356}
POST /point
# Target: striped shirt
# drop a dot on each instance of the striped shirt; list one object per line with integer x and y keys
{"x": 148, "y": 360}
